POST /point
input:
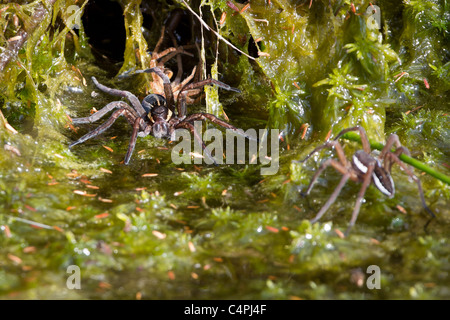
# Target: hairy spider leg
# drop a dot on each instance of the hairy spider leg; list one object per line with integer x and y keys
{"x": 131, "y": 146}
{"x": 179, "y": 86}
{"x": 328, "y": 144}
{"x": 200, "y": 84}
{"x": 393, "y": 139}
{"x": 214, "y": 119}
{"x": 104, "y": 126}
{"x": 362, "y": 134}
{"x": 197, "y": 138}
{"x": 167, "y": 87}
{"x": 366, "y": 182}
{"x": 335, "y": 164}
{"x": 99, "y": 114}
{"x": 409, "y": 172}
{"x": 335, "y": 193}
{"x": 122, "y": 93}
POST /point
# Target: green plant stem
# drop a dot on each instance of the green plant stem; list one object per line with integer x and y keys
{"x": 353, "y": 136}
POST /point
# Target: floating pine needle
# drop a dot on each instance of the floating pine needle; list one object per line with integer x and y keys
{"x": 339, "y": 233}
{"x": 101, "y": 215}
{"x": 223, "y": 18}
{"x": 58, "y": 229}
{"x": 328, "y": 136}
{"x": 272, "y": 229}
{"x": 12, "y": 149}
{"x": 159, "y": 235}
{"x": 6, "y": 230}
{"x": 146, "y": 175}
{"x": 245, "y": 8}
{"x": 108, "y": 148}
{"x": 414, "y": 109}
{"x": 173, "y": 206}
{"x": 401, "y": 209}
{"x": 84, "y": 193}
{"x": 29, "y": 249}
{"x": 305, "y": 127}
{"x": 14, "y": 258}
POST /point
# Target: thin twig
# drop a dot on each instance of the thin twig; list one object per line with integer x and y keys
{"x": 215, "y": 32}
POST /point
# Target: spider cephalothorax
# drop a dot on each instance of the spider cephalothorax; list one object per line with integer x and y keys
{"x": 155, "y": 115}
{"x": 157, "y": 112}
{"x": 365, "y": 168}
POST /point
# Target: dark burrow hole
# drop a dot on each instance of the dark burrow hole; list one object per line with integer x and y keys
{"x": 104, "y": 25}
{"x": 105, "y": 28}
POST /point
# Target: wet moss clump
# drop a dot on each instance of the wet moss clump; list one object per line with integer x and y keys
{"x": 156, "y": 230}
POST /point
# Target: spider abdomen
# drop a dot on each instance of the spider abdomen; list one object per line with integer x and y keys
{"x": 383, "y": 180}
{"x": 380, "y": 177}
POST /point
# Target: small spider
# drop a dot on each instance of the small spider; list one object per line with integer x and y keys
{"x": 155, "y": 115}
{"x": 365, "y": 168}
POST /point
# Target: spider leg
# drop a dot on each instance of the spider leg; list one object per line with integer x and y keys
{"x": 332, "y": 198}
{"x": 167, "y": 86}
{"x": 328, "y": 144}
{"x": 393, "y": 139}
{"x": 202, "y": 84}
{"x": 366, "y": 182}
{"x": 122, "y": 93}
{"x": 214, "y": 119}
{"x": 330, "y": 162}
{"x": 363, "y": 135}
{"x": 99, "y": 114}
{"x": 406, "y": 168}
{"x": 131, "y": 146}
{"x": 209, "y": 81}
{"x": 181, "y": 105}
{"x": 197, "y": 137}
{"x": 179, "y": 60}
{"x": 176, "y": 87}
{"x": 104, "y": 126}
{"x": 160, "y": 40}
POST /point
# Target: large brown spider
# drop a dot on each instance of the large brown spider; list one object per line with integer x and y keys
{"x": 365, "y": 168}
{"x": 155, "y": 115}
